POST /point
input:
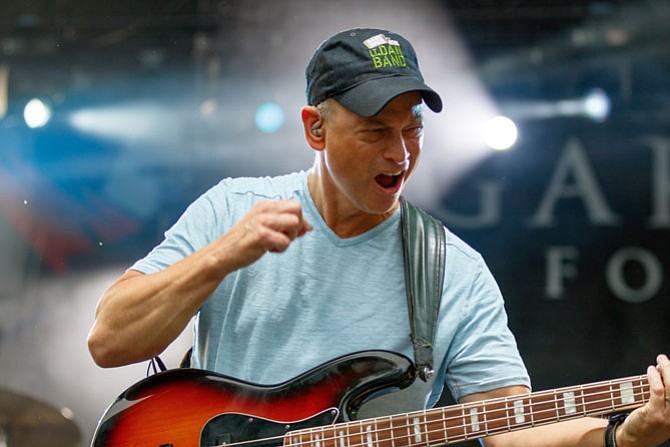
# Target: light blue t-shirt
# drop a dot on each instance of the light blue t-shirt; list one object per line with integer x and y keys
{"x": 326, "y": 296}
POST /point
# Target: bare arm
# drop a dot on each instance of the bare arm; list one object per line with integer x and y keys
{"x": 584, "y": 432}
{"x": 646, "y": 427}
{"x": 140, "y": 315}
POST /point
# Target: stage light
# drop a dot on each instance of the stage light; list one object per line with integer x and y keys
{"x": 500, "y": 133}
{"x": 597, "y": 105}
{"x": 269, "y": 117}
{"x": 133, "y": 122}
{"x": 36, "y": 113}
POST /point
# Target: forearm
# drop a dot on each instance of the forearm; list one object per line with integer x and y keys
{"x": 646, "y": 426}
{"x": 583, "y": 432}
{"x": 140, "y": 315}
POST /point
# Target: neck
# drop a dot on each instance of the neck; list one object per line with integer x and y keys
{"x": 342, "y": 216}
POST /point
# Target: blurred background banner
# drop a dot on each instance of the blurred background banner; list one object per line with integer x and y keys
{"x": 552, "y": 158}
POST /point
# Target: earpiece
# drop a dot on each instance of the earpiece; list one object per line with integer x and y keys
{"x": 316, "y": 129}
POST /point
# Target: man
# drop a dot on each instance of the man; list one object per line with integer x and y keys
{"x": 286, "y": 273}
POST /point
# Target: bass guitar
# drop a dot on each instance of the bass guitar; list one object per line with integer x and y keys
{"x": 197, "y": 408}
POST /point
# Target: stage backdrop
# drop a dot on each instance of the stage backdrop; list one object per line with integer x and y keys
{"x": 574, "y": 225}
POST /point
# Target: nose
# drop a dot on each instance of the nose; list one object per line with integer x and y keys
{"x": 396, "y": 149}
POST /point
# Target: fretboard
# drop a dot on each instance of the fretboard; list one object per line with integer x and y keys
{"x": 456, "y": 423}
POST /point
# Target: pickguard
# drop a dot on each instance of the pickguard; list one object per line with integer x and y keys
{"x": 233, "y": 428}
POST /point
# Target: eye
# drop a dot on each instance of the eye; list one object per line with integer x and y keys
{"x": 373, "y": 134}
{"x": 414, "y": 131}
{"x": 376, "y": 130}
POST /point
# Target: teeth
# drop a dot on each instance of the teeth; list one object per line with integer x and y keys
{"x": 393, "y": 174}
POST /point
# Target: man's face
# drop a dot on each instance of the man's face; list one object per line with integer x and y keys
{"x": 368, "y": 160}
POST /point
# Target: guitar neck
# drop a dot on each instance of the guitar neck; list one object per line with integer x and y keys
{"x": 456, "y": 423}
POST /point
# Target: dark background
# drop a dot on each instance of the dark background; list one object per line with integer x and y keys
{"x": 153, "y": 102}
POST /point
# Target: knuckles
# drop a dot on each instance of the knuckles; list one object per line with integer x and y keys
{"x": 272, "y": 225}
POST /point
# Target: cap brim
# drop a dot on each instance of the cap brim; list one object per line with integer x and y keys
{"x": 369, "y": 98}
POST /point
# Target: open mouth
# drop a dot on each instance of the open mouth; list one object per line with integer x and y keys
{"x": 388, "y": 181}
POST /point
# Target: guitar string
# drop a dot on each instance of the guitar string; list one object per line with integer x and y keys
{"x": 462, "y": 429}
{"x": 405, "y": 428}
{"x": 636, "y": 391}
{"x": 370, "y": 436}
{"x": 461, "y": 410}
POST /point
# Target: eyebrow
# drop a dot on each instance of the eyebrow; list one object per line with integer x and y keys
{"x": 417, "y": 115}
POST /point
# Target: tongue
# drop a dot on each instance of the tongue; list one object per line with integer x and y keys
{"x": 386, "y": 181}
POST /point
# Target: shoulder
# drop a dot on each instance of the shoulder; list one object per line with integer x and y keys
{"x": 279, "y": 187}
{"x": 458, "y": 247}
{"x": 463, "y": 265}
{"x": 226, "y": 202}
{"x": 455, "y": 246}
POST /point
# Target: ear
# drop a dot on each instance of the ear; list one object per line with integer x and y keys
{"x": 311, "y": 123}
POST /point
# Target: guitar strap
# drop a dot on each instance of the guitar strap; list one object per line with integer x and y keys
{"x": 424, "y": 249}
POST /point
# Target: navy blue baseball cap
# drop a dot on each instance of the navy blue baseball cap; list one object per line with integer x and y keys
{"x": 363, "y": 69}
